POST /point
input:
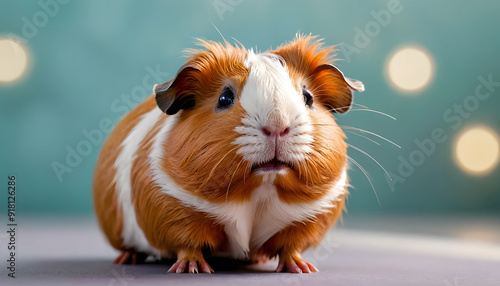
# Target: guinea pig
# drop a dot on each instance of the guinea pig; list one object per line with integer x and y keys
{"x": 238, "y": 155}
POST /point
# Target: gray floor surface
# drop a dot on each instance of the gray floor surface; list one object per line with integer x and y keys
{"x": 364, "y": 251}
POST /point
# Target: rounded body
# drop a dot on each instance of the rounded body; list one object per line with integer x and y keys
{"x": 238, "y": 155}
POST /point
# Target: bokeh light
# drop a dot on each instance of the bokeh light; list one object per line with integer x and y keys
{"x": 13, "y": 60}
{"x": 410, "y": 69}
{"x": 477, "y": 150}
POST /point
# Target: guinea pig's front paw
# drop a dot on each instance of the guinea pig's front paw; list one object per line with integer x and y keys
{"x": 193, "y": 262}
{"x": 130, "y": 257}
{"x": 191, "y": 265}
{"x": 295, "y": 264}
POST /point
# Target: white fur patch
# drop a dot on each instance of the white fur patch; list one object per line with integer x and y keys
{"x": 272, "y": 215}
{"x": 132, "y": 234}
{"x": 268, "y": 98}
{"x": 271, "y": 100}
{"x": 248, "y": 225}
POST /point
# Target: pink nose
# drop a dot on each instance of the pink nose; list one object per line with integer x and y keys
{"x": 274, "y": 131}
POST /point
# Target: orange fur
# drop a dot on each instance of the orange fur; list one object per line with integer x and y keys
{"x": 168, "y": 225}
{"x": 108, "y": 212}
{"x": 199, "y": 157}
{"x": 303, "y": 56}
{"x": 305, "y": 234}
{"x": 313, "y": 176}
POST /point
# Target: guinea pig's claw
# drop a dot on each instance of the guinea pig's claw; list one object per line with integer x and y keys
{"x": 129, "y": 257}
{"x": 193, "y": 267}
{"x": 123, "y": 258}
{"x": 205, "y": 268}
{"x": 180, "y": 267}
{"x": 296, "y": 265}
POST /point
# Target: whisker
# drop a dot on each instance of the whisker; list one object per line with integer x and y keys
{"x": 366, "y": 175}
{"x": 356, "y": 148}
{"x": 318, "y": 91}
{"x": 374, "y": 111}
{"x": 307, "y": 175}
{"x": 334, "y": 109}
{"x": 300, "y": 171}
{"x": 305, "y": 170}
{"x": 369, "y": 132}
{"x": 363, "y": 137}
{"x": 237, "y": 41}
{"x": 219, "y": 32}
{"x": 362, "y": 170}
{"x": 364, "y": 106}
{"x": 361, "y": 130}
{"x": 316, "y": 168}
{"x": 230, "y": 181}
{"x": 216, "y": 165}
{"x": 307, "y": 79}
{"x": 322, "y": 124}
{"x": 313, "y": 91}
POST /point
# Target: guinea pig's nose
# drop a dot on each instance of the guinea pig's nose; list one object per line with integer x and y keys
{"x": 273, "y": 131}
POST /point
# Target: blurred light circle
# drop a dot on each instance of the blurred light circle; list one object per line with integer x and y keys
{"x": 410, "y": 69}
{"x": 13, "y": 60}
{"x": 477, "y": 150}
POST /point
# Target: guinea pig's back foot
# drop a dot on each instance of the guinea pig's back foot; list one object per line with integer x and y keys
{"x": 130, "y": 257}
{"x": 295, "y": 264}
{"x": 193, "y": 266}
{"x": 191, "y": 261}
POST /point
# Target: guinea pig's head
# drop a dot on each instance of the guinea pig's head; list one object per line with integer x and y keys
{"x": 244, "y": 119}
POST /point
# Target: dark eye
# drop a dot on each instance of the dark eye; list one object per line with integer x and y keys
{"x": 226, "y": 99}
{"x": 308, "y": 97}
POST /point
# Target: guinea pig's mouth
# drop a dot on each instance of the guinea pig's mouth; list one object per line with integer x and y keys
{"x": 271, "y": 166}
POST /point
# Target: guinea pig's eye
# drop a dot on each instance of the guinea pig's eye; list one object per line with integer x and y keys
{"x": 308, "y": 97}
{"x": 226, "y": 99}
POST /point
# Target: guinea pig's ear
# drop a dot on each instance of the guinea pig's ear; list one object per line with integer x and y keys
{"x": 173, "y": 95}
{"x": 338, "y": 96}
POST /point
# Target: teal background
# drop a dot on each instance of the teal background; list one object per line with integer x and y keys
{"x": 91, "y": 53}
